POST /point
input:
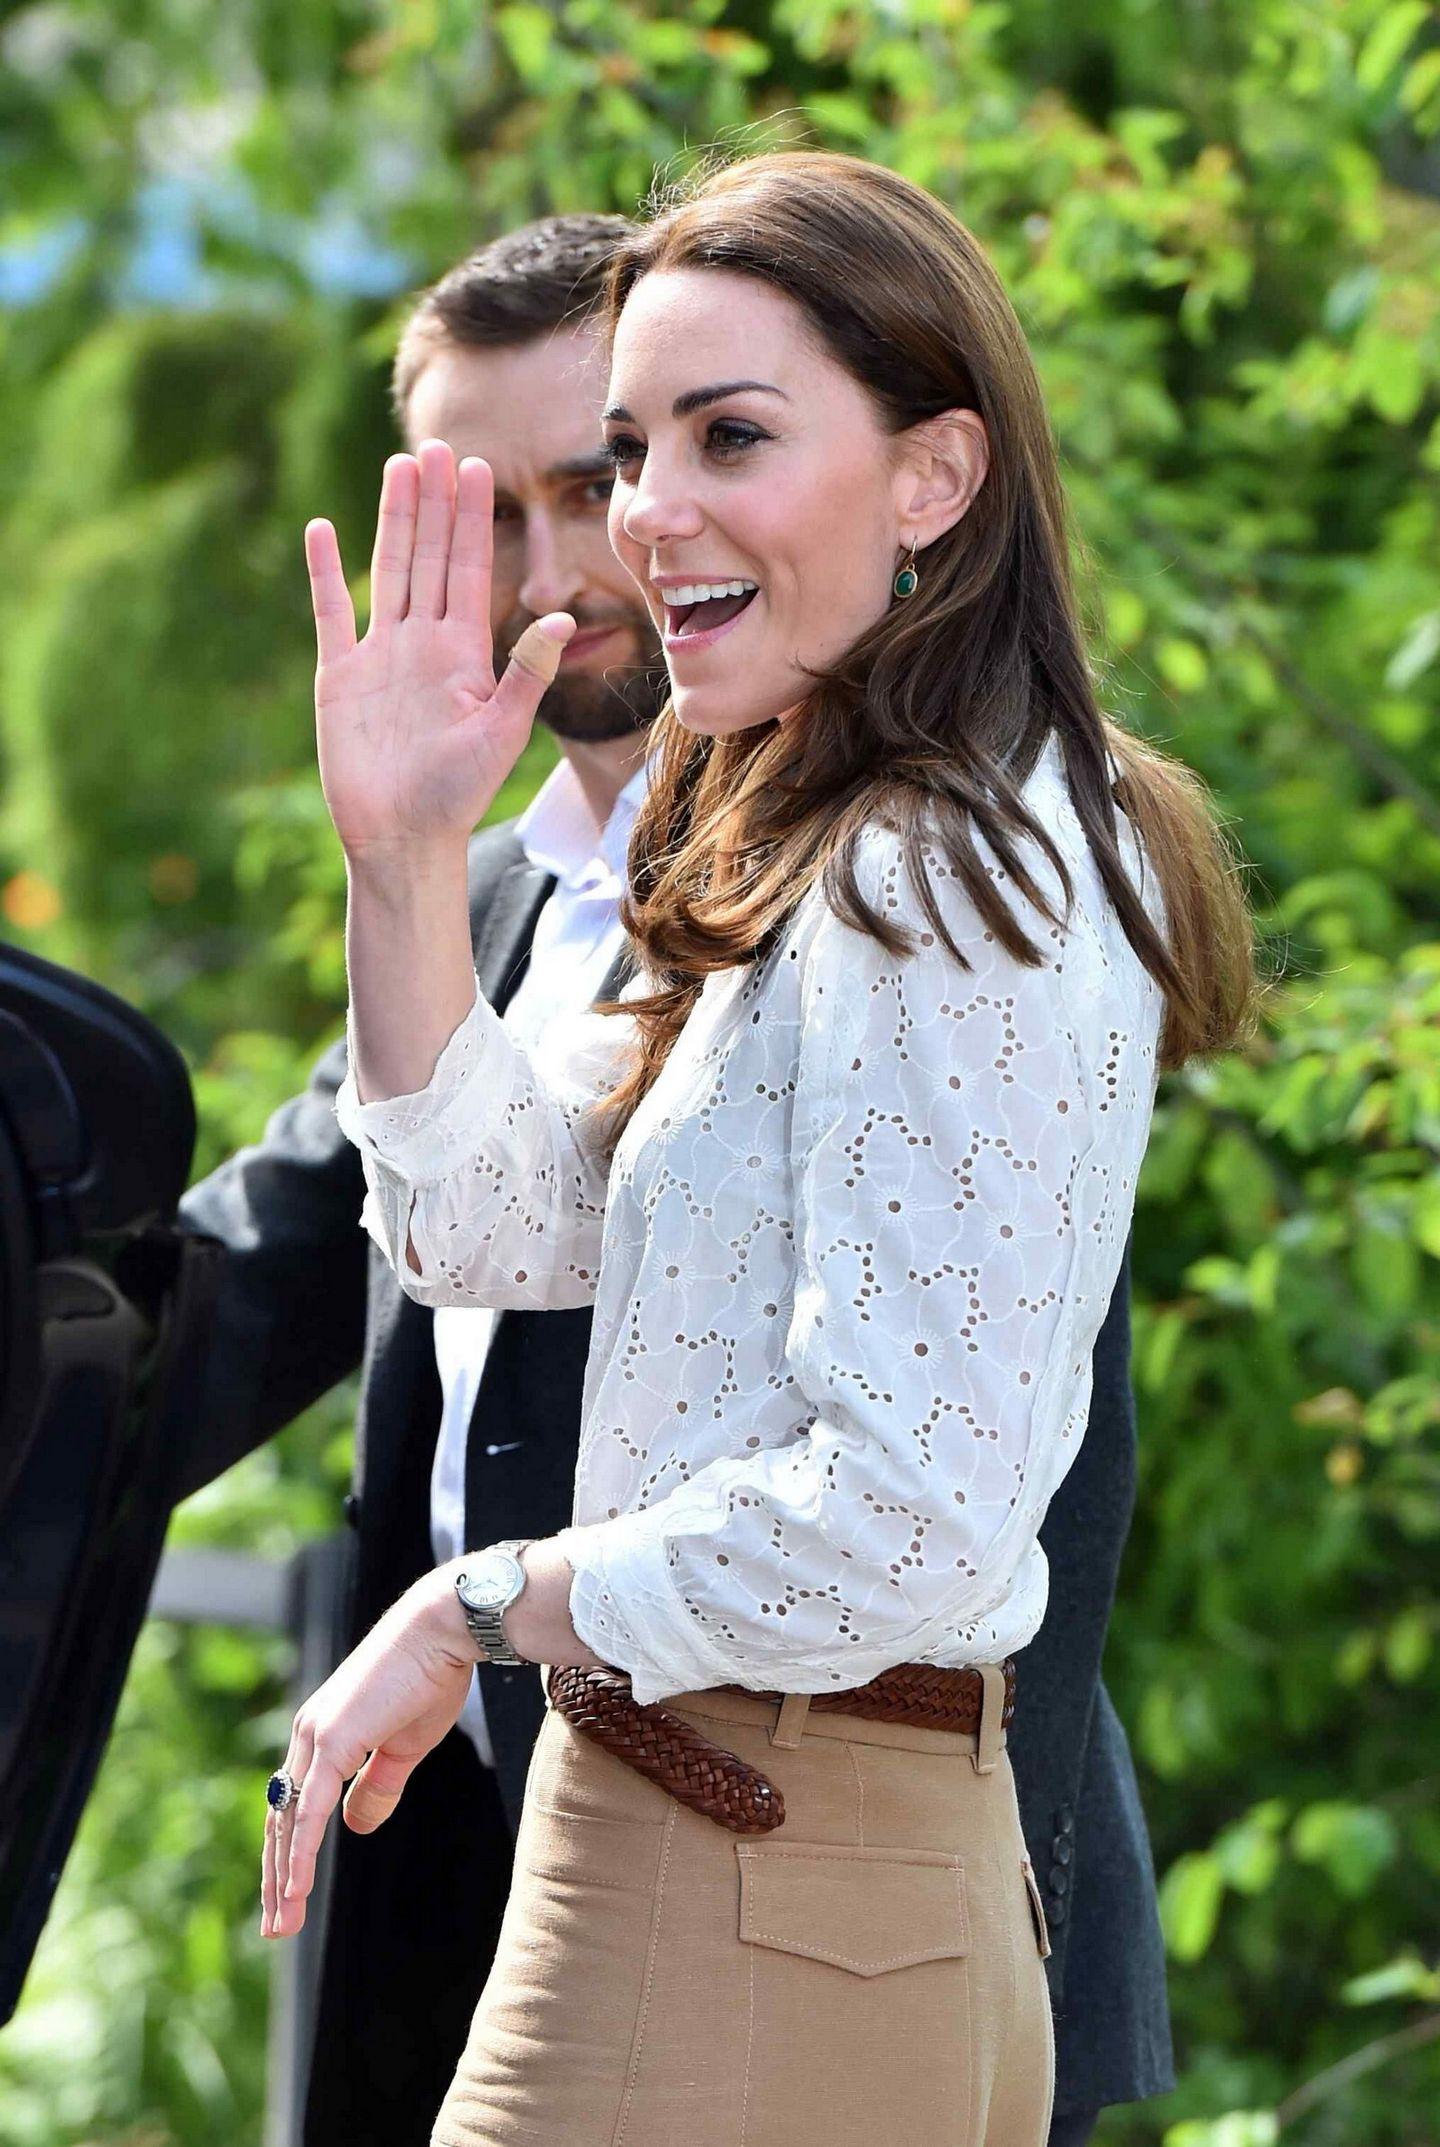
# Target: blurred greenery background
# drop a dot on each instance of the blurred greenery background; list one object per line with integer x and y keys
{"x": 1221, "y": 226}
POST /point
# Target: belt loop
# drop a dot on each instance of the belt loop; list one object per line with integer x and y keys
{"x": 790, "y": 1721}
{"x": 992, "y": 1712}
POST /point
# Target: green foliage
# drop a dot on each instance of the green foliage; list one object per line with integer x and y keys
{"x": 147, "y": 2005}
{"x": 144, "y": 2018}
{"x": 1221, "y": 231}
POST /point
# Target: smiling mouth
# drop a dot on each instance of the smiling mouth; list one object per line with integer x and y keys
{"x": 682, "y": 621}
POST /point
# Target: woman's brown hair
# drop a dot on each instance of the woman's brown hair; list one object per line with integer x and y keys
{"x": 935, "y": 717}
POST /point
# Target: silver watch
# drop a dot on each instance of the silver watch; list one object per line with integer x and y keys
{"x": 491, "y": 1582}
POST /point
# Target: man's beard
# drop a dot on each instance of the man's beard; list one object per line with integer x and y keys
{"x": 590, "y": 707}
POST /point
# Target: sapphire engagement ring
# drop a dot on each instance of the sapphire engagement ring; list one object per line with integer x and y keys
{"x": 281, "y": 1791}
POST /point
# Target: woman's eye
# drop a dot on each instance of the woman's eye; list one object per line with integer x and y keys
{"x": 727, "y": 437}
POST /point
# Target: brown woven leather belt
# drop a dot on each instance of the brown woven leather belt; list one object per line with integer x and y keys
{"x": 671, "y": 1752}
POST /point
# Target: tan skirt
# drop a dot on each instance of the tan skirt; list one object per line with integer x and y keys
{"x": 871, "y": 1971}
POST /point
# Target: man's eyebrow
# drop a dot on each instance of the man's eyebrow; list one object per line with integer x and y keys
{"x": 700, "y": 398}
{"x": 598, "y": 464}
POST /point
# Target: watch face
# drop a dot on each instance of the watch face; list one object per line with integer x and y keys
{"x": 491, "y": 1581}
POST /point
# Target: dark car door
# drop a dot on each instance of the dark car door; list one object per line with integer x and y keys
{"x": 103, "y": 1307}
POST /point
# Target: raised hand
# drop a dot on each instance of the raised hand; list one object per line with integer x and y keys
{"x": 415, "y": 734}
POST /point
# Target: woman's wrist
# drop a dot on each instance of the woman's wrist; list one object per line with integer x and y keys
{"x": 436, "y": 1613}
{"x": 537, "y": 1624}
{"x": 410, "y": 961}
{"x": 389, "y": 868}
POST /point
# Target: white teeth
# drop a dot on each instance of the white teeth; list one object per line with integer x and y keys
{"x": 701, "y": 592}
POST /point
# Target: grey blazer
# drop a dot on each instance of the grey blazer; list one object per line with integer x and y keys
{"x": 304, "y": 1299}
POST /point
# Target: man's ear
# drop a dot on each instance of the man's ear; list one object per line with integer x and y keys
{"x": 942, "y": 465}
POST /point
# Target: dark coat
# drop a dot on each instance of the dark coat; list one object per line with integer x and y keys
{"x": 415, "y": 1907}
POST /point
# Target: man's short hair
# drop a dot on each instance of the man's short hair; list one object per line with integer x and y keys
{"x": 546, "y": 275}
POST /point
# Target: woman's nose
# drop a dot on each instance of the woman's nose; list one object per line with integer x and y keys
{"x": 658, "y": 509}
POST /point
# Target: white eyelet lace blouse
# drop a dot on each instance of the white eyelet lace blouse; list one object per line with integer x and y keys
{"x": 848, "y": 1269}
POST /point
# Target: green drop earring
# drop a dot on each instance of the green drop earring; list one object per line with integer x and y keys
{"x": 907, "y": 581}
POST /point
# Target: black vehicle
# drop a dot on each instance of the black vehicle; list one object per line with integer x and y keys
{"x": 103, "y": 1316}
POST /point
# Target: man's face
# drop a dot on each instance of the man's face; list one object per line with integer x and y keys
{"x": 533, "y": 413}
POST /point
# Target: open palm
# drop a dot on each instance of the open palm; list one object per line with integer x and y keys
{"x": 415, "y": 734}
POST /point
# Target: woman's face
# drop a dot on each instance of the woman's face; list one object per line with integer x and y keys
{"x": 745, "y": 455}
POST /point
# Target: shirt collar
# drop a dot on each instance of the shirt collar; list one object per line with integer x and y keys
{"x": 557, "y": 830}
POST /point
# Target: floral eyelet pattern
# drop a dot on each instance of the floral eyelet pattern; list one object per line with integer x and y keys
{"x": 848, "y": 1269}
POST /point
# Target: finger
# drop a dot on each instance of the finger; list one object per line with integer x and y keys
{"x": 376, "y": 1790}
{"x": 277, "y": 1832}
{"x": 394, "y": 540}
{"x": 298, "y": 1762}
{"x": 329, "y": 597}
{"x": 318, "y": 1799}
{"x": 434, "y": 523}
{"x": 534, "y": 661}
{"x": 541, "y": 646}
{"x": 269, "y": 1883}
{"x": 472, "y": 548}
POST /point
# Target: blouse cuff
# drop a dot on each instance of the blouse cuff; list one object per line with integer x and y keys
{"x": 625, "y": 1606}
{"x": 419, "y": 1138}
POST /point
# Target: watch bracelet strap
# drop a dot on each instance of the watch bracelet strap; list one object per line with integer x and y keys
{"x": 486, "y": 1628}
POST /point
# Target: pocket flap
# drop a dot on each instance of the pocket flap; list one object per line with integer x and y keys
{"x": 1037, "y": 1908}
{"x": 862, "y": 1909}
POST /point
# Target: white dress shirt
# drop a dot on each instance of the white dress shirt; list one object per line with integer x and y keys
{"x": 577, "y": 936}
{"x": 848, "y": 1265}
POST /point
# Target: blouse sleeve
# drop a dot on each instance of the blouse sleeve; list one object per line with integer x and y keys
{"x": 491, "y": 1168}
{"x": 942, "y": 1123}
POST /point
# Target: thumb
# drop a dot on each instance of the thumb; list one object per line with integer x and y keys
{"x": 376, "y": 1790}
{"x": 534, "y": 661}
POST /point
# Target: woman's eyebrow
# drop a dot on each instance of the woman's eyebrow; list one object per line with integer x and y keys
{"x": 700, "y": 398}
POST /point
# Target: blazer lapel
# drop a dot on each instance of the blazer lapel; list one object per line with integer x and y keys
{"x": 506, "y": 928}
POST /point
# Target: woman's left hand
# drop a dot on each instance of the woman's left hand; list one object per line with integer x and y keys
{"x": 389, "y": 1703}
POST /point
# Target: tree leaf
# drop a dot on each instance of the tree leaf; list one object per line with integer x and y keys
{"x": 1190, "y": 1898}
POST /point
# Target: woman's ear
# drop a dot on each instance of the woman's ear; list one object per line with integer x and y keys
{"x": 942, "y": 465}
